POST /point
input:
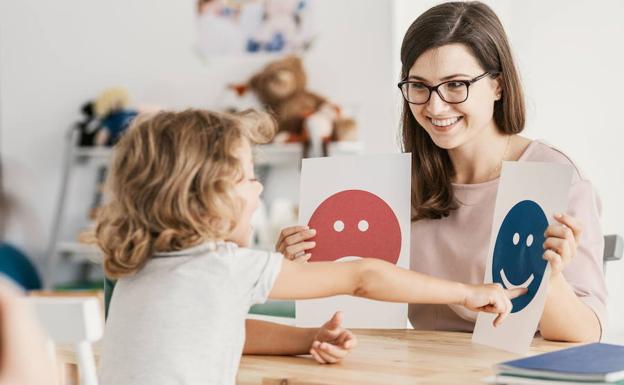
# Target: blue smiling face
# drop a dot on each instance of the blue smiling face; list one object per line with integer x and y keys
{"x": 517, "y": 260}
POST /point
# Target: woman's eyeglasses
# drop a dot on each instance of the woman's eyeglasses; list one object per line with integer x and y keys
{"x": 452, "y": 91}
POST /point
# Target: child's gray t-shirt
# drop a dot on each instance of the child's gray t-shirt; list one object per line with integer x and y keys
{"x": 181, "y": 318}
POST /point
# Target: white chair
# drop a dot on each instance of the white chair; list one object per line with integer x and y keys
{"x": 75, "y": 321}
{"x": 614, "y": 248}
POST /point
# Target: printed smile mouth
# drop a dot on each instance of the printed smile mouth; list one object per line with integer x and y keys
{"x": 509, "y": 285}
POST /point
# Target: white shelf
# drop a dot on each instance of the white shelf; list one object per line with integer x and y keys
{"x": 93, "y": 152}
{"x": 266, "y": 154}
{"x": 275, "y": 154}
{"x": 80, "y": 251}
{"x": 278, "y": 154}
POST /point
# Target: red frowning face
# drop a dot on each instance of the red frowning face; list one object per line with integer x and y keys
{"x": 355, "y": 223}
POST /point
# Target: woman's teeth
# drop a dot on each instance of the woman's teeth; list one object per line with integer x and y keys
{"x": 445, "y": 122}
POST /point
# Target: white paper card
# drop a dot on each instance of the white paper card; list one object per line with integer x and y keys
{"x": 360, "y": 207}
{"x": 529, "y": 194}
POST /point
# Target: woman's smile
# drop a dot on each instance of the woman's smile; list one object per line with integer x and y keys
{"x": 444, "y": 125}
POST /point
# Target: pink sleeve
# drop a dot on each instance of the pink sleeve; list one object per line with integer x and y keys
{"x": 585, "y": 272}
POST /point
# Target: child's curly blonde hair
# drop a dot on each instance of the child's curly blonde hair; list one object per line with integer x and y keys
{"x": 171, "y": 184}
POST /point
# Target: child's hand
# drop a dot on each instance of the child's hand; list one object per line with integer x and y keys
{"x": 561, "y": 242}
{"x": 332, "y": 343}
{"x": 292, "y": 243}
{"x": 491, "y": 298}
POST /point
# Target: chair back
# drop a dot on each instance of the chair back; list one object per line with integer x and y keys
{"x": 613, "y": 248}
{"x": 74, "y": 321}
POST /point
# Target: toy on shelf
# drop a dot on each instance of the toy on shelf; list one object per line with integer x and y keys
{"x": 88, "y": 127}
{"x": 112, "y": 109}
{"x": 301, "y": 115}
{"x": 104, "y": 119}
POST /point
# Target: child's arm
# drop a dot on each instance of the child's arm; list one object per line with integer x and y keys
{"x": 380, "y": 280}
{"x": 328, "y": 344}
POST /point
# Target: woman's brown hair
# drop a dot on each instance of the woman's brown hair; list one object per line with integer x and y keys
{"x": 476, "y": 26}
{"x": 171, "y": 184}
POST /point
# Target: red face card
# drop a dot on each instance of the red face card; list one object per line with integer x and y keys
{"x": 355, "y": 223}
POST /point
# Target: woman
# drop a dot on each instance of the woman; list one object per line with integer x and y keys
{"x": 462, "y": 114}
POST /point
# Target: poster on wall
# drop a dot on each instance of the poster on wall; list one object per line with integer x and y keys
{"x": 529, "y": 194}
{"x": 251, "y": 27}
{"x": 360, "y": 208}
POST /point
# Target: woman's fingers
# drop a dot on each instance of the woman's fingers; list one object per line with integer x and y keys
{"x": 571, "y": 222}
{"x": 562, "y": 241}
{"x": 559, "y": 246}
{"x": 293, "y": 251}
{"x": 288, "y": 231}
{"x": 302, "y": 258}
{"x": 300, "y": 237}
{"x": 555, "y": 260}
{"x": 292, "y": 242}
{"x": 560, "y": 231}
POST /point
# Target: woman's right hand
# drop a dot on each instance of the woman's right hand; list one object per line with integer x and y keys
{"x": 491, "y": 298}
{"x": 293, "y": 243}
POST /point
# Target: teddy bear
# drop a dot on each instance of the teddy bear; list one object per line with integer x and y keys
{"x": 301, "y": 115}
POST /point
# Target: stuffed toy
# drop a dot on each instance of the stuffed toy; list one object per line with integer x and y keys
{"x": 88, "y": 127}
{"x": 302, "y": 116}
{"x": 112, "y": 109}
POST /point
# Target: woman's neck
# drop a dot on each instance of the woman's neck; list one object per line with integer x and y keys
{"x": 480, "y": 160}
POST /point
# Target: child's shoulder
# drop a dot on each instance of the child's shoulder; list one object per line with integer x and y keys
{"x": 246, "y": 252}
{"x": 248, "y": 256}
{"x": 542, "y": 151}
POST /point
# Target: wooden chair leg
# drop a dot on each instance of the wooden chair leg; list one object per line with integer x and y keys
{"x": 68, "y": 374}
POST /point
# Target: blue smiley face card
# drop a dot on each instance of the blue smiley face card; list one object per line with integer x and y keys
{"x": 529, "y": 194}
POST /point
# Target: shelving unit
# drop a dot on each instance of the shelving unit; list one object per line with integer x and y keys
{"x": 58, "y": 249}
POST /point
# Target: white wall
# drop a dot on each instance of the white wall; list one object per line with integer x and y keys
{"x": 56, "y": 55}
{"x": 570, "y": 57}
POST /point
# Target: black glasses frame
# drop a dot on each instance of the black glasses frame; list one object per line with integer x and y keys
{"x": 468, "y": 83}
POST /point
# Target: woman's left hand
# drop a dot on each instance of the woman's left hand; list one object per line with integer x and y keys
{"x": 561, "y": 242}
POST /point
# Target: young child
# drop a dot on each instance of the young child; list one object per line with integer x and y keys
{"x": 175, "y": 233}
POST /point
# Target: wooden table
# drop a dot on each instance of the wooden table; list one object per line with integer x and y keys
{"x": 390, "y": 357}
{"x": 385, "y": 357}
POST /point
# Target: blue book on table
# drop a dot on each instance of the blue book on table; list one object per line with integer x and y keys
{"x": 591, "y": 362}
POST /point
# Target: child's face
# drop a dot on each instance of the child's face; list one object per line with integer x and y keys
{"x": 248, "y": 189}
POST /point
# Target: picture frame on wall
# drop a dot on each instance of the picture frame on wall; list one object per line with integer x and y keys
{"x": 252, "y": 27}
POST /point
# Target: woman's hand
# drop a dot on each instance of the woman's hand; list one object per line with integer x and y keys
{"x": 293, "y": 243}
{"x": 561, "y": 242}
{"x": 332, "y": 343}
{"x": 491, "y": 298}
